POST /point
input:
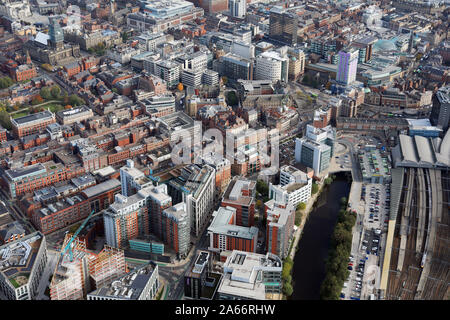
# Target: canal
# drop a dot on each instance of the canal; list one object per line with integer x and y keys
{"x": 309, "y": 260}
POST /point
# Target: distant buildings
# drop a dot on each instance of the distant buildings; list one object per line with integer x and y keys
{"x": 237, "y": 8}
{"x": 157, "y": 16}
{"x": 250, "y": 276}
{"x": 22, "y": 263}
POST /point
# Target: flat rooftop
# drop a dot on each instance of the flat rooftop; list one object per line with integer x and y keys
{"x": 129, "y": 286}
{"x": 17, "y": 258}
{"x": 39, "y": 116}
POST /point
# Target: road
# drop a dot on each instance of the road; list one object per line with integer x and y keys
{"x": 16, "y": 213}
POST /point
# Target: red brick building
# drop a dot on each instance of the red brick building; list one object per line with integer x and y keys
{"x": 240, "y": 195}
{"x": 54, "y": 216}
{"x": 225, "y": 235}
{"x": 32, "y": 123}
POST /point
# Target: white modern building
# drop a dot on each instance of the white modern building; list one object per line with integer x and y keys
{"x": 312, "y": 154}
{"x": 250, "y": 276}
{"x": 238, "y": 8}
{"x": 169, "y": 71}
{"x": 132, "y": 179}
{"x": 293, "y": 192}
{"x": 272, "y": 65}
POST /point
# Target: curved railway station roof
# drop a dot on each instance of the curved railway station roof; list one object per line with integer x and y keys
{"x": 422, "y": 152}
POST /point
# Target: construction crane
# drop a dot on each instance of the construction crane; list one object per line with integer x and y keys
{"x": 156, "y": 179}
{"x": 68, "y": 245}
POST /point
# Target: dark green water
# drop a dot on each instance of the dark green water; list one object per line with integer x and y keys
{"x": 309, "y": 261}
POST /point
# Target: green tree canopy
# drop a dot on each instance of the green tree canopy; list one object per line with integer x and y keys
{"x": 6, "y": 82}
{"x": 301, "y": 206}
{"x": 287, "y": 289}
{"x": 5, "y": 120}
{"x": 262, "y": 188}
{"x": 314, "y": 188}
{"x": 45, "y": 93}
{"x": 55, "y": 92}
{"x": 75, "y": 100}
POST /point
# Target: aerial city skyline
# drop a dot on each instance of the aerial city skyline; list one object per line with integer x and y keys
{"x": 224, "y": 150}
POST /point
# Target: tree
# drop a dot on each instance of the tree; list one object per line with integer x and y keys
{"x": 114, "y": 90}
{"x": 67, "y": 106}
{"x": 287, "y": 289}
{"x": 224, "y": 80}
{"x": 45, "y": 93}
{"x": 232, "y": 99}
{"x": 301, "y": 206}
{"x": 314, "y": 188}
{"x": 125, "y": 36}
{"x": 75, "y": 100}
{"x": 262, "y": 188}
{"x": 5, "y": 120}
{"x": 298, "y": 218}
{"x": 328, "y": 181}
{"x": 343, "y": 200}
{"x": 55, "y": 92}
{"x": 16, "y": 107}
{"x": 37, "y": 100}
{"x": 6, "y": 82}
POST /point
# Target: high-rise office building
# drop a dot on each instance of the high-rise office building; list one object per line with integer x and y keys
{"x": 440, "y": 112}
{"x": 132, "y": 179}
{"x": 238, "y": 8}
{"x": 280, "y": 227}
{"x": 283, "y": 26}
{"x": 347, "y": 66}
{"x": 176, "y": 227}
{"x": 312, "y": 154}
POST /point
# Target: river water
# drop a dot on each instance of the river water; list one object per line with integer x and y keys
{"x": 309, "y": 260}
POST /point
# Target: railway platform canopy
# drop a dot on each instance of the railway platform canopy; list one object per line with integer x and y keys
{"x": 422, "y": 152}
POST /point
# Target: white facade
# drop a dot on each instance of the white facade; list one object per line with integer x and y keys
{"x": 312, "y": 154}
{"x": 131, "y": 178}
{"x": 271, "y": 66}
{"x": 291, "y": 193}
{"x": 238, "y": 8}
{"x": 168, "y": 71}
{"x": 192, "y": 78}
